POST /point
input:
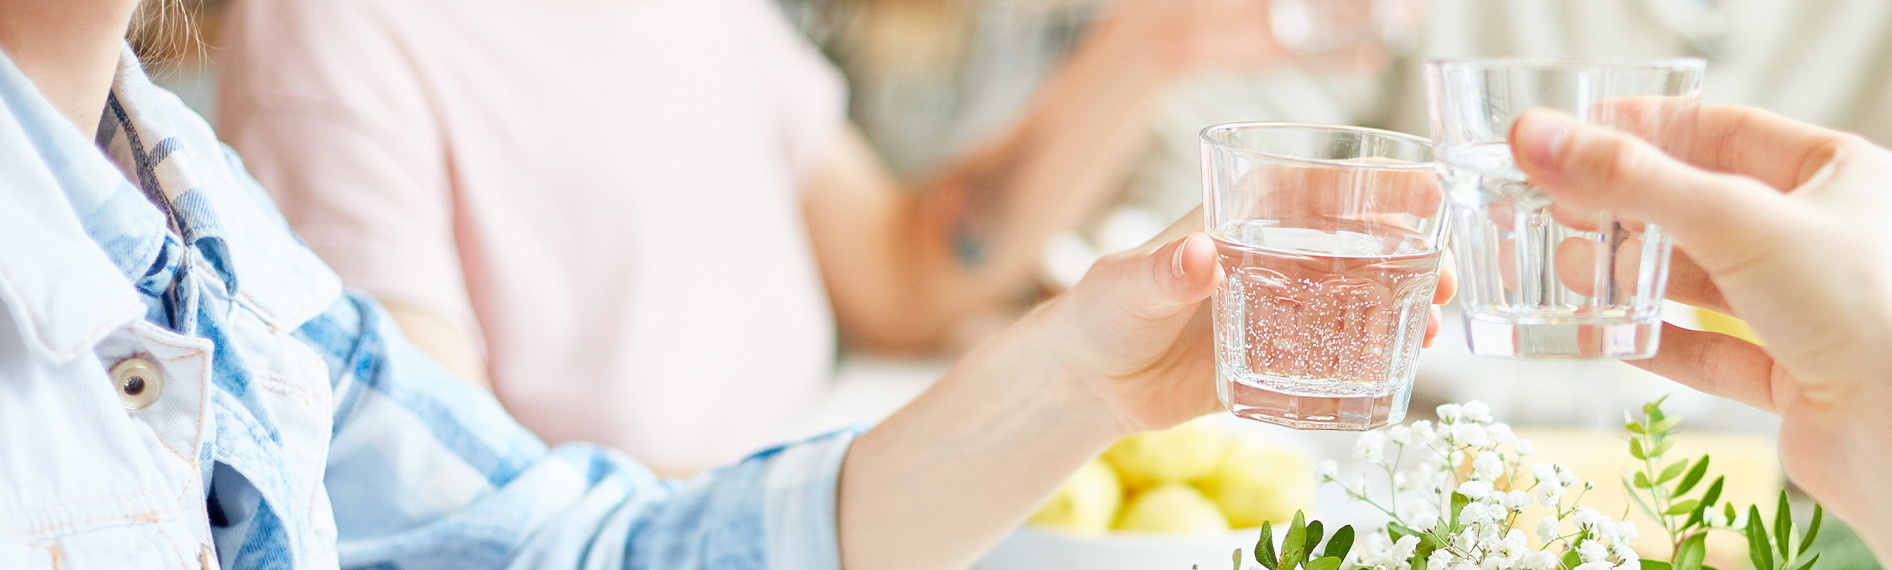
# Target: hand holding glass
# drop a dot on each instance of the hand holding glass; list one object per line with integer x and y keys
{"x": 1329, "y": 240}
{"x": 1540, "y": 280}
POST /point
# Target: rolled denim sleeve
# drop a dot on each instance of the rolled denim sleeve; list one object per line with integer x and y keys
{"x": 426, "y": 471}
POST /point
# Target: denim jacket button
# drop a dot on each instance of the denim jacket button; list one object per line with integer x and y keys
{"x": 139, "y": 383}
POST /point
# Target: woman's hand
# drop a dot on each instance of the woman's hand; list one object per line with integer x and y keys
{"x": 1788, "y": 226}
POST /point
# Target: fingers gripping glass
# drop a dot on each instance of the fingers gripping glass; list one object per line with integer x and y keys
{"x": 1539, "y": 279}
{"x": 1329, "y": 238}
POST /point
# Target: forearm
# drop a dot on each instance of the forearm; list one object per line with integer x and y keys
{"x": 948, "y": 475}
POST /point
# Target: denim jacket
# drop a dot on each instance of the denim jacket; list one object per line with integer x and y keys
{"x": 183, "y": 384}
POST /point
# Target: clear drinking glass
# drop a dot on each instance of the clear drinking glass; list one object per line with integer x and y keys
{"x": 1537, "y": 280}
{"x": 1330, "y": 241}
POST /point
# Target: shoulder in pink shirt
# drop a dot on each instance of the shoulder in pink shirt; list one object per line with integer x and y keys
{"x": 603, "y": 193}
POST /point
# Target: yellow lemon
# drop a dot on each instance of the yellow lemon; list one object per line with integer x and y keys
{"x": 1086, "y": 503}
{"x": 1716, "y": 322}
{"x": 1183, "y": 453}
{"x": 1175, "y": 508}
{"x": 1257, "y": 482}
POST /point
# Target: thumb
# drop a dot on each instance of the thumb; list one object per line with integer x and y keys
{"x": 1136, "y": 301}
{"x": 1600, "y": 169}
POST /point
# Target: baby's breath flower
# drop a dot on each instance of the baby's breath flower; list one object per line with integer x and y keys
{"x": 1487, "y": 466}
{"x": 1371, "y": 447}
{"x": 1477, "y": 411}
{"x": 1517, "y": 500}
{"x": 1474, "y": 490}
{"x": 1523, "y": 447}
{"x": 1588, "y": 518}
{"x": 1400, "y": 435}
{"x": 1403, "y": 549}
{"x": 1474, "y": 513}
{"x": 1550, "y": 495}
{"x": 1450, "y": 413}
{"x": 1544, "y": 473}
{"x": 1598, "y": 565}
{"x": 1441, "y": 558}
{"x": 1565, "y": 477}
{"x": 1592, "y": 551}
{"x": 1538, "y": 560}
{"x": 1548, "y": 530}
{"x": 1469, "y": 434}
{"x": 1327, "y": 470}
{"x": 1626, "y": 531}
{"x": 1422, "y": 433}
{"x": 1501, "y": 433}
{"x": 1625, "y": 554}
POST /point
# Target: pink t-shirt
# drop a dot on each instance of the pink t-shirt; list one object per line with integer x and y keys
{"x": 604, "y": 192}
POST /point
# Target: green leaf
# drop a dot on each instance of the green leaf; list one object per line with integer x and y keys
{"x": 1314, "y": 531}
{"x": 1419, "y": 557}
{"x": 1264, "y": 550}
{"x": 1728, "y": 511}
{"x": 1340, "y": 544}
{"x": 1682, "y": 508}
{"x": 1692, "y": 552}
{"x": 1324, "y": 563}
{"x": 1672, "y": 471}
{"x": 1693, "y": 477}
{"x": 1665, "y": 424}
{"x": 1758, "y": 550}
{"x": 1813, "y": 529}
{"x": 1238, "y": 559}
{"x": 1783, "y": 527}
{"x": 1662, "y": 446}
{"x": 1635, "y": 449}
{"x": 1293, "y": 548}
{"x": 1713, "y": 493}
{"x": 1634, "y": 427}
{"x": 1458, "y": 504}
{"x": 1648, "y": 564}
{"x": 1642, "y": 481}
{"x": 1637, "y": 497}
{"x": 1808, "y": 563}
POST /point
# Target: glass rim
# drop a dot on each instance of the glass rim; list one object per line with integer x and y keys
{"x": 1681, "y": 63}
{"x": 1204, "y": 134}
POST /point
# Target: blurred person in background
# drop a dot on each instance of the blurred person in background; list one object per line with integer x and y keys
{"x": 522, "y": 183}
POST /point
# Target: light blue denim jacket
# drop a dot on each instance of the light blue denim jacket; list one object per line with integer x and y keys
{"x": 292, "y": 426}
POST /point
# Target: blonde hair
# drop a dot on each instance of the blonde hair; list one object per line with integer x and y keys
{"x": 164, "y": 32}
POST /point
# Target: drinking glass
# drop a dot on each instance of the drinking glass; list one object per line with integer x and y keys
{"x": 1536, "y": 279}
{"x": 1329, "y": 240}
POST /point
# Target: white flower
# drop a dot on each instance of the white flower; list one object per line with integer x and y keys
{"x": 1371, "y": 447}
{"x": 1592, "y": 551}
{"x": 1550, "y": 495}
{"x": 1477, "y": 411}
{"x": 1510, "y": 551}
{"x": 1402, "y": 551}
{"x": 1372, "y": 549}
{"x": 1469, "y": 434}
{"x": 1462, "y": 565}
{"x": 1517, "y": 500}
{"x": 1487, "y": 466}
{"x": 1441, "y": 558}
{"x": 1422, "y": 433}
{"x": 1474, "y": 513}
{"x": 1599, "y": 565}
{"x": 1400, "y": 435}
{"x": 1523, "y": 447}
{"x": 1418, "y": 515}
{"x": 1501, "y": 433}
{"x": 1548, "y": 530}
{"x": 1474, "y": 490}
{"x": 1539, "y": 560}
{"x": 1588, "y": 518}
{"x": 1631, "y": 563}
{"x": 1450, "y": 413}
{"x": 1544, "y": 473}
{"x": 1327, "y": 470}
{"x": 1626, "y": 531}
{"x": 1564, "y": 476}
{"x": 1625, "y": 554}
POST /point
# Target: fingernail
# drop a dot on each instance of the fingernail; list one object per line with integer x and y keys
{"x": 1541, "y": 137}
{"x": 1176, "y": 259}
